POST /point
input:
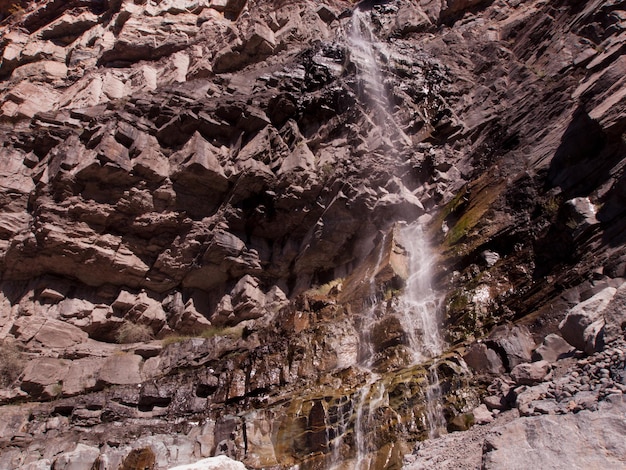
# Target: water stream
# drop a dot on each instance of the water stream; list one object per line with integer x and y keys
{"x": 364, "y": 52}
{"x": 418, "y": 306}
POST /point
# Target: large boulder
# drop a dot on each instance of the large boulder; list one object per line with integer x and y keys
{"x": 552, "y": 349}
{"x": 583, "y": 326}
{"x": 43, "y": 377}
{"x": 574, "y": 441}
{"x": 482, "y": 359}
{"x": 82, "y": 457}
{"x": 121, "y": 369}
{"x": 615, "y": 316}
{"x": 49, "y": 333}
{"x": 530, "y": 373}
{"x": 514, "y": 343}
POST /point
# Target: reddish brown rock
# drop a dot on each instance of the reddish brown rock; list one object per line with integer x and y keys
{"x": 530, "y": 373}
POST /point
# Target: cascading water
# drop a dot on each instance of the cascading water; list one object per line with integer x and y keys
{"x": 373, "y": 396}
{"x": 419, "y": 304}
{"x": 373, "y": 392}
{"x": 418, "y": 307}
{"x": 363, "y": 53}
{"x": 366, "y": 355}
{"x": 364, "y": 50}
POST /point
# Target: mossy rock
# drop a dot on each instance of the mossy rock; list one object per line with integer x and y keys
{"x": 461, "y": 422}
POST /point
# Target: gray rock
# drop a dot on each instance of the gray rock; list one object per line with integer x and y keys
{"x": 220, "y": 462}
{"x": 530, "y": 373}
{"x": 615, "y": 315}
{"x": 515, "y": 341}
{"x": 583, "y": 212}
{"x": 121, "y": 369}
{"x": 584, "y": 400}
{"x": 545, "y": 407}
{"x": 483, "y": 359}
{"x": 490, "y": 257}
{"x": 574, "y": 441}
{"x": 495, "y": 402}
{"x": 43, "y": 464}
{"x": 326, "y": 14}
{"x": 51, "y": 295}
{"x": 58, "y": 334}
{"x": 526, "y": 396}
{"x": 81, "y": 375}
{"x": 583, "y": 325}
{"x": 552, "y": 349}
{"x": 43, "y": 377}
{"x": 81, "y": 458}
{"x": 482, "y": 415}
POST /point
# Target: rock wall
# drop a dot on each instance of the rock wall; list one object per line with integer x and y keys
{"x": 196, "y": 197}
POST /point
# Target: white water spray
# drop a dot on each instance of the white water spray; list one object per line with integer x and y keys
{"x": 418, "y": 307}
{"x": 420, "y": 311}
{"x": 364, "y": 51}
{"x": 374, "y": 395}
{"x": 419, "y": 304}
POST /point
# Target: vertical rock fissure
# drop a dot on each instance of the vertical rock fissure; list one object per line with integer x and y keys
{"x": 369, "y": 317}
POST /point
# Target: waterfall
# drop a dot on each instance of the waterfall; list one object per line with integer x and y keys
{"x": 436, "y": 421}
{"x": 374, "y": 395}
{"x": 363, "y": 53}
{"x": 419, "y": 304}
{"x": 418, "y": 307}
{"x": 364, "y": 49}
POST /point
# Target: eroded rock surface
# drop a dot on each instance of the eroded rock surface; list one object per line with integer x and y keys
{"x": 199, "y": 211}
{"x": 584, "y": 440}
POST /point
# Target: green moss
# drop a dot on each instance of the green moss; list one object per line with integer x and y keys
{"x": 455, "y": 204}
{"x": 327, "y": 170}
{"x": 391, "y": 293}
{"x": 325, "y": 289}
{"x": 458, "y": 301}
{"x": 551, "y": 206}
{"x": 459, "y": 231}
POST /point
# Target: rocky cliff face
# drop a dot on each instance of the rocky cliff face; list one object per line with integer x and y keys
{"x": 201, "y": 208}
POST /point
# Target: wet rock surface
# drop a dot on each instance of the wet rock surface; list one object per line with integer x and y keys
{"x": 200, "y": 204}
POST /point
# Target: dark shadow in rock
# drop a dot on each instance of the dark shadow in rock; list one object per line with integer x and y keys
{"x": 613, "y": 210}
{"x": 579, "y": 164}
{"x": 369, "y": 4}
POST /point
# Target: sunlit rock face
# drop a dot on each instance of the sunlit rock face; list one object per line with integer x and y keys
{"x": 202, "y": 209}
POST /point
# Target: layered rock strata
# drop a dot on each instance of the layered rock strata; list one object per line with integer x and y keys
{"x": 197, "y": 196}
